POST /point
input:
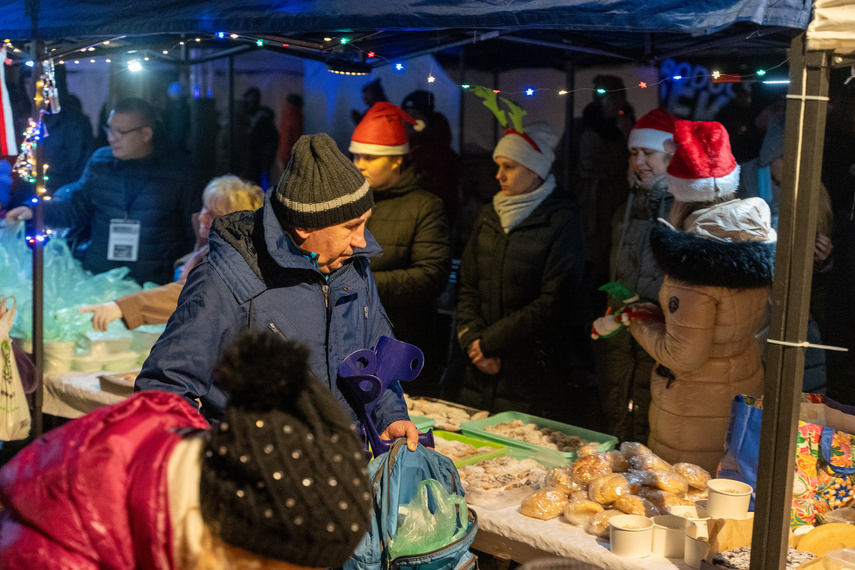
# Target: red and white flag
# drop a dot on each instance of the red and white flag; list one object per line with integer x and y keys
{"x": 7, "y": 128}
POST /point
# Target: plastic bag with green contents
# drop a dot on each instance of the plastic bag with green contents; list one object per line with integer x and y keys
{"x": 434, "y": 519}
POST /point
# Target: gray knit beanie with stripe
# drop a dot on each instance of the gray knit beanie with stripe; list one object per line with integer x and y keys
{"x": 320, "y": 186}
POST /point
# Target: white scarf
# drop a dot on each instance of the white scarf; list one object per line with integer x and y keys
{"x": 514, "y": 209}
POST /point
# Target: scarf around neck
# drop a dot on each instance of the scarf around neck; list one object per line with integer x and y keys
{"x": 514, "y": 209}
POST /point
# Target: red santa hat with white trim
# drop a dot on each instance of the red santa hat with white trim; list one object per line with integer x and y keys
{"x": 381, "y": 131}
{"x": 654, "y": 131}
{"x": 702, "y": 168}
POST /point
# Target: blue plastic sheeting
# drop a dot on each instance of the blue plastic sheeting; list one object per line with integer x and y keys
{"x": 57, "y": 19}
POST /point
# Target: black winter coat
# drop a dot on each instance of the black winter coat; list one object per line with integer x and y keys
{"x": 516, "y": 294}
{"x": 409, "y": 224}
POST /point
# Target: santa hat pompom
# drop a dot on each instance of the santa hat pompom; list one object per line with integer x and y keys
{"x": 703, "y": 168}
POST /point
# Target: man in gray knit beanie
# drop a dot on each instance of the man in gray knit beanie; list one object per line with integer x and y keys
{"x": 298, "y": 268}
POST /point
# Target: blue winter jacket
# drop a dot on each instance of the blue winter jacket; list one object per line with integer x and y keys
{"x": 253, "y": 278}
{"x": 159, "y": 191}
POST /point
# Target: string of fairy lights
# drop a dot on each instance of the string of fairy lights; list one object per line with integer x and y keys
{"x": 47, "y": 100}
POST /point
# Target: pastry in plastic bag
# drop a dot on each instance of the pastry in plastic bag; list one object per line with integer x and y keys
{"x": 635, "y": 479}
{"x": 608, "y": 488}
{"x": 663, "y": 500}
{"x": 696, "y": 494}
{"x": 649, "y": 462}
{"x": 560, "y": 478}
{"x": 547, "y": 503}
{"x": 695, "y": 475}
{"x": 635, "y": 505}
{"x": 599, "y": 525}
{"x": 617, "y": 460}
{"x": 633, "y": 448}
{"x": 667, "y": 481}
{"x": 586, "y": 469}
{"x": 580, "y": 495}
{"x": 587, "y": 449}
{"x": 581, "y": 511}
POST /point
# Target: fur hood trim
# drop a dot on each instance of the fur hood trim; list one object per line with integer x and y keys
{"x": 700, "y": 261}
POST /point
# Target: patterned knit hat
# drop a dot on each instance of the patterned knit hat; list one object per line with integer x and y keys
{"x": 533, "y": 148}
{"x": 320, "y": 186}
{"x": 284, "y": 476}
{"x": 703, "y": 167}
{"x": 381, "y": 131}
{"x": 654, "y": 130}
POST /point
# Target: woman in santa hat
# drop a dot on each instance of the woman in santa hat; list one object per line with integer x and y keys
{"x": 520, "y": 275}
{"x": 410, "y": 225}
{"x": 623, "y": 367}
{"x": 718, "y": 259}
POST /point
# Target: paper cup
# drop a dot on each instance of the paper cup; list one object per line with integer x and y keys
{"x": 701, "y": 505}
{"x": 693, "y": 514}
{"x": 630, "y": 535}
{"x": 728, "y": 499}
{"x": 694, "y": 546}
{"x": 669, "y": 535}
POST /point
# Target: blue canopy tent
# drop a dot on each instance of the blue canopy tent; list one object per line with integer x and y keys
{"x": 629, "y": 30}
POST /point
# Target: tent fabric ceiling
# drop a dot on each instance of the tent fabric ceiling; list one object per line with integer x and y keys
{"x": 833, "y": 26}
{"x": 57, "y": 19}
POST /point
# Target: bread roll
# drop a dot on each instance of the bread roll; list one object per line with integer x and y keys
{"x": 581, "y": 511}
{"x": 617, "y": 460}
{"x": 695, "y": 475}
{"x": 599, "y": 524}
{"x": 561, "y": 479}
{"x": 663, "y": 500}
{"x": 608, "y": 488}
{"x": 669, "y": 481}
{"x": 635, "y": 505}
{"x": 586, "y": 469}
{"x": 650, "y": 462}
{"x": 546, "y": 503}
{"x": 633, "y": 448}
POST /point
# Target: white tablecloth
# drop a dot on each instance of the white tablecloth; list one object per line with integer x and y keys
{"x": 74, "y": 394}
{"x": 508, "y": 534}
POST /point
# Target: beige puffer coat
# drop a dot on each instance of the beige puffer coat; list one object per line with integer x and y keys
{"x": 714, "y": 301}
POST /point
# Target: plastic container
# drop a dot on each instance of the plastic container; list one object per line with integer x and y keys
{"x": 695, "y": 546}
{"x": 669, "y": 535}
{"x": 423, "y": 423}
{"x": 728, "y": 499}
{"x": 142, "y": 341}
{"x": 476, "y": 428}
{"x": 58, "y": 356}
{"x": 502, "y": 499}
{"x": 630, "y": 536}
{"x": 840, "y": 559}
{"x": 498, "y": 448}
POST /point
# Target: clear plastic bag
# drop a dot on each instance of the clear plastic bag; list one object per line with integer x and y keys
{"x": 422, "y": 529}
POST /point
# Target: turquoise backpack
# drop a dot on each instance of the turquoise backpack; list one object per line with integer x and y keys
{"x": 394, "y": 477}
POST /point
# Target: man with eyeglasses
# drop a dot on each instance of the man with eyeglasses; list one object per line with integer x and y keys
{"x": 132, "y": 205}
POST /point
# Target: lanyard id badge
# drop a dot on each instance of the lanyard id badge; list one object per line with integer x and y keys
{"x": 124, "y": 241}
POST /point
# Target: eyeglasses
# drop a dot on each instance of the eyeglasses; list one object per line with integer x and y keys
{"x": 117, "y": 133}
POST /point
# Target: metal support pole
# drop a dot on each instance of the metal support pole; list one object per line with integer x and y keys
{"x": 805, "y": 130}
{"x": 569, "y": 119}
{"x": 231, "y": 109}
{"x": 38, "y": 253}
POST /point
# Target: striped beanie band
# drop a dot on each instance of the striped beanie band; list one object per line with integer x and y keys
{"x": 320, "y": 186}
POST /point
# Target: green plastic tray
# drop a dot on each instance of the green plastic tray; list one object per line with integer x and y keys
{"x": 499, "y": 449}
{"x": 476, "y": 428}
{"x": 423, "y": 423}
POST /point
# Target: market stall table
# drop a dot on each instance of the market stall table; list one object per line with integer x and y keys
{"x": 73, "y": 394}
{"x": 507, "y": 534}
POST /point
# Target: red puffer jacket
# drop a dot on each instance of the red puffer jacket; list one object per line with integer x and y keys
{"x": 92, "y": 494}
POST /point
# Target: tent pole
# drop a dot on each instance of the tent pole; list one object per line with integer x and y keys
{"x": 38, "y": 253}
{"x": 231, "y": 110}
{"x": 805, "y": 129}
{"x": 569, "y": 120}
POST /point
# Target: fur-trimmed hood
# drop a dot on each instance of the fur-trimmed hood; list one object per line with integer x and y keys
{"x": 733, "y": 254}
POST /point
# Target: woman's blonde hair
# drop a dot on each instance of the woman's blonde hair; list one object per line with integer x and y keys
{"x": 214, "y": 554}
{"x": 682, "y": 210}
{"x": 229, "y": 193}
